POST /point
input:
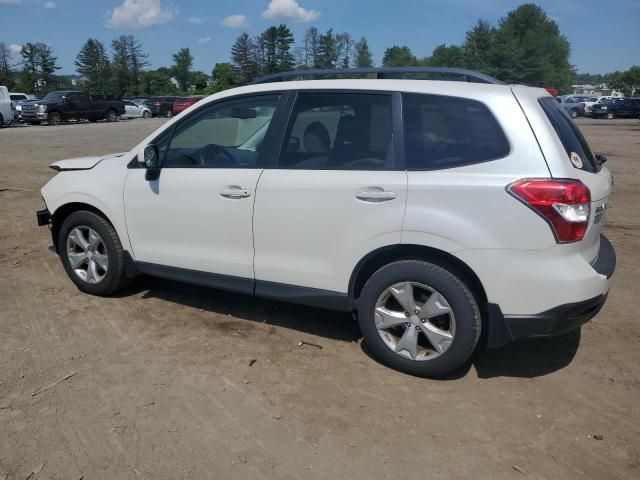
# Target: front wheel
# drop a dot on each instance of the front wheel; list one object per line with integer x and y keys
{"x": 91, "y": 253}
{"x": 169, "y": 113}
{"x": 418, "y": 318}
{"x": 610, "y": 116}
{"x": 145, "y": 114}
{"x": 54, "y": 118}
{"x": 574, "y": 113}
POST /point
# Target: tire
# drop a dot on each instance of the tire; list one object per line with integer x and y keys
{"x": 112, "y": 116}
{"x": 111, "y": 279}
{"x": 145, "y": 114}
{"x": 169, "y": 114}
{"x": 54, "y": 118}
{"x": 574, "y": 113}
{"x": 464, "y": 319}
{"x": 1, "y": 121}
{"x": 610, "y": 116}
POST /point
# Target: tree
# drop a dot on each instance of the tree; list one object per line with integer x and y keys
{"x": 38, "y": 68}
{"x": 223, "y": 78}
{"x": 531, "y": 50}
{"x": 200, "y": 81}
{"x": 284, "y": 57}
{"x": 399, "y": 57}
{"x": 445, "y": 56}
{"x": 157, "y": 82}
{"x": 6, "y": 75}
{"x": 327, "y": 54}
{"x": 363, "y": 57}
{"x": 628, "y": 81}
{"x": 344, "y": 50}
{"x": 243, "y": 59}
{"x": 92, "y": 62}
{"x": 182, "y": 62}
{"x": 479, "y": 47}
{"x": 268, "y": 47}
{"x": 128, "y": 62}
{"x": 310, "y": 48}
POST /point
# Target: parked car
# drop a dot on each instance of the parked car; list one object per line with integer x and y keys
{"x": 59, "y": 106}
{"x": 588, "y": 103}
{"x": 139, "y": 101}
{"x": 17, "y": 99}
{"x": 573, "y": 104}
{"x": 6, "y": 112}
{"x": 133, "y": 110}
{"x": 161, "y": 106}
{"x": 442, "y": 213}
{"x": 619, "y": 107}
{"x": 181, "y": 104}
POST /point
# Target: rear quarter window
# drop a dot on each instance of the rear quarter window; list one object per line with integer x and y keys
{"x": 569, "y": 134}
{"x": 447, "y": 132}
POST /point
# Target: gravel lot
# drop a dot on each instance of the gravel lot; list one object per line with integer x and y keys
{"x": 163, "y": 386}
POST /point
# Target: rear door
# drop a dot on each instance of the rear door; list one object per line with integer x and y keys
{"x": 337, "y": 192}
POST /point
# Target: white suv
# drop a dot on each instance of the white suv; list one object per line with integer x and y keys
{"x": 447, "y": 214}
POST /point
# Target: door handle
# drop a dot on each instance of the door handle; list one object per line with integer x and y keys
{"x": 375, "y": 195}
{"x": 235, "y": 192}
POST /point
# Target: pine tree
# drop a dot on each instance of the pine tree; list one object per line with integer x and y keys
{"x": 284, "y": 40}
{"x": 243, "y": 58}
{"x": 128, "y": 61}
{"x": 327, "y": 55}
{"x": 479, "y": 48}
{"x": 269, "y": 37}
{"x": 344, "y": 47}
{"x": 363, "y": 57}
{"x": 38, "y": 68}
{"x": 182, "y": 63}
{"x": 93, "y": 63}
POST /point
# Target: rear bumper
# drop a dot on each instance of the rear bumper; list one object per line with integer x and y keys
{"x": 504, "y": 329}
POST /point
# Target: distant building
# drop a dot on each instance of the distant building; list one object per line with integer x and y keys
{"x": 77, "y": 80}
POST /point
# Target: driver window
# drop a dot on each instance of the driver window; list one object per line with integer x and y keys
{"x": 226, "y": 135}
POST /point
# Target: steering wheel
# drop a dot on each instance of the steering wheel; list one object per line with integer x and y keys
{"x": 210, "y": 155}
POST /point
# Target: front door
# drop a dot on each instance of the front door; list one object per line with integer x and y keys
{"x": 197, "y": 215}
{"x": 337, "y": 192}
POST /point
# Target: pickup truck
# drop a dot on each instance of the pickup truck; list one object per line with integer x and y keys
{"x": 60, "y": 106}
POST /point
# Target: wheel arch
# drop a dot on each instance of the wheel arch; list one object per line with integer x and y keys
{"x": 376, "y": 259}
{"x": 63, "y": 211}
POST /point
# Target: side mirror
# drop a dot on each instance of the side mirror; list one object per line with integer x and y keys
{"x": 151, "y": 162}
{"x": 601, "y": 159}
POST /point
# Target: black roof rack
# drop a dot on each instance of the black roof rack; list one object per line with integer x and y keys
{"x": 391, "y": 72}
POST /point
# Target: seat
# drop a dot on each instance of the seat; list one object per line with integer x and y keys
{"x": 316, "y": 142}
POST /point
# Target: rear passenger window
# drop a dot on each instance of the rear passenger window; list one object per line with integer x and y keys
{"x": 339, "y": 131}
{"x": 447, "y": 132}
{"x": 572, "y": 139}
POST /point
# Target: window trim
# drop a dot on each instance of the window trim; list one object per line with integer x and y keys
{"x": 396, "y": 132}
{"x": 269, "y": 146}
{"x": 467, "y": 164}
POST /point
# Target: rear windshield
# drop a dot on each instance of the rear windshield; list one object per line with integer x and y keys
{"x": 570, "y": 135}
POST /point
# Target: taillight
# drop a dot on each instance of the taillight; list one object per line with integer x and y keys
{"x": 564, "y": 204}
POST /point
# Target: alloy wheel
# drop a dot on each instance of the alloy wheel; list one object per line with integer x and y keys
{"x": 87, "y": 254}
{"x": 415, "y": 321}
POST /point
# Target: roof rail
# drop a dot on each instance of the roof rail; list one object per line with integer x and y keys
{"x": 389, "y": 72}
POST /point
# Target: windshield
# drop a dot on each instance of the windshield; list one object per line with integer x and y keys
{"x": 53, "y": 97}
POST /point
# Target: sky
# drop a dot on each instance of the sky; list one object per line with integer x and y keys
{"x": 604, "y": 34}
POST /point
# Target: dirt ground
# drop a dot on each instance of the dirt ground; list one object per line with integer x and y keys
{"x": 166, "y": 386}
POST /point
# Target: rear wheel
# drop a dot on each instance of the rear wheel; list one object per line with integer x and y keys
{"x": 169, "y": 113}
{"x": 419, "y": 318}
{"x": 91, "y": 253}
{"x": 112, "y": 116}
{"x": 54, "y": 118}
{"x": 1, "y": 121}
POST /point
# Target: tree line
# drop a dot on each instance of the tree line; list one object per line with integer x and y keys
{"x": 524, "y": 47}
